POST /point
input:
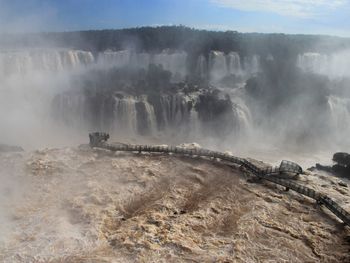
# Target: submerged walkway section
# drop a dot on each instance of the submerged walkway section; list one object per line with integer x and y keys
{"x": 99, "y": 140}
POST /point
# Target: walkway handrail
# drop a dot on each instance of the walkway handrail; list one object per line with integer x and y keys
{"x": 99, "y": 140}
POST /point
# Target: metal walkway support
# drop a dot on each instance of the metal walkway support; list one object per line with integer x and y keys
{"x": 99, "y": 140}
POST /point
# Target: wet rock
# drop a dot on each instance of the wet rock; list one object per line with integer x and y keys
{"x": 342, "y": 158}
{"x": 341, "y": 168}
{"x": 215, "y": 112}
{"x": 10, "y": 148}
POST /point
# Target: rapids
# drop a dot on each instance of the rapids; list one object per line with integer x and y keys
{"x": 81, "y": 205}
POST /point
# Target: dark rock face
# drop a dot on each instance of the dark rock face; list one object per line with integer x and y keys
{"x": 341, "y": 168}
{"x": 10, "y": 148}
{"x": 216, "y": 113}
{"x": 342, "y": 158}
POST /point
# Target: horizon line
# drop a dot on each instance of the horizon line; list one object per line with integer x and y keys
{"x": 170, "y": 26}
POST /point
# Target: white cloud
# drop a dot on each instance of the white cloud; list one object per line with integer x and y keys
{"x": 296, "y": 8}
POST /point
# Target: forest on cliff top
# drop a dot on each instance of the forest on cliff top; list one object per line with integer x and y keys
{"x": 193, "y": 41}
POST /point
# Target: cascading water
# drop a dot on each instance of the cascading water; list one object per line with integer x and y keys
{"x": 175, "y": 62}
{"x": 312, "y": 62}
{"x": 202, "y": 67}
{"x": 242, "y": 113}
{"x": 340, "y": 108}
{"x": 340, "y": 113}
{"x": 56, "y": 66}
{"x": 150, "y": 116}
{"x": 222, "y": 65}
{"x": 26, "y": 61}
{"x": 334, "y": 65}
{"x": 178, "y": 109}
{"x": 135, "y": 114}
{"x": 70, "y": 109}
{"x": 252, "y": 64}
{"x": 115, "y": 58}
{"x": 125, "y": 115}
{"x": 217, "y": 65}
{"x": 234, "y": 63}
{"x": 174, "y": 111}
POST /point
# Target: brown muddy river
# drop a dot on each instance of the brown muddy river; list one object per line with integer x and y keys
{"x": 80, "y": 205}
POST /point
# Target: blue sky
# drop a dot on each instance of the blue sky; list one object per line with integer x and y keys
{"x": 287, "y": 16}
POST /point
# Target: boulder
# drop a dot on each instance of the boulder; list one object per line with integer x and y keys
{"x": 341, "y": 170}
{"x": 342, "y": 158}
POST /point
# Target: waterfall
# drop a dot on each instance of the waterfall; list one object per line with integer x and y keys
{"x": 221, "y": 65}
{"x": 241, "y": 110}
{"x": 101, "y": 109}
{"x": 165, "y": 105}
{"x": 174, "y": 110}
{"x": 115, "y": 58}
{"x": 134, "y": 115}
{"x": 217, "y": 65}
{"x": 71, "y": 109}
{"x": 234, "y": 63}
{"x": 202, "y": 67}
{"x": 25, "y": 61}
{"x": 151, "y": 117}
{"x": 194, "y": 123}
{"x": 340, "y": 110}
{"x": 340, "y": 119}
{"x": 243, "y": 115}
{"x": 179, "y": 111}
{"x": 334, "y": 65}
{"x": 312, "y": 62}
{"x": 125, "y": 115}
{"x": 252, "y": 64}
{"x": 175, "y": 62}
